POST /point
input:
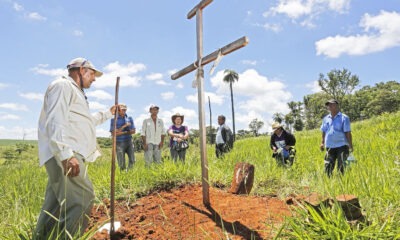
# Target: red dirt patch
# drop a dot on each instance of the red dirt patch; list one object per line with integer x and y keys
{"x": 181, "y": 214}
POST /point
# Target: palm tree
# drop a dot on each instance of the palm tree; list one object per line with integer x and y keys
{"x": 231, "y": 77}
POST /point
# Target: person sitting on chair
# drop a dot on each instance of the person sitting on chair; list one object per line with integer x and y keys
{"x": 282, "y": 144}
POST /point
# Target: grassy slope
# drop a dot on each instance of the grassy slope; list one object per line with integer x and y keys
{"x": 374, "y": 179}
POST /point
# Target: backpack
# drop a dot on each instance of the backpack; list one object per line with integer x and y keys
{"x": 229, "y": 137}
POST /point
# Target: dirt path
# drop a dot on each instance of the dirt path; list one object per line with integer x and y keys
{"x": 180, "y": 214}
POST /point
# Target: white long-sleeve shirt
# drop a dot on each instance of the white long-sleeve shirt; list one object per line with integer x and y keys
{"x": 66, "y": 124}
{"x": 152, "y": 131}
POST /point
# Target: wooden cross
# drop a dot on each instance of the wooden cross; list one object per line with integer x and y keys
{"x": 201, "y": 61}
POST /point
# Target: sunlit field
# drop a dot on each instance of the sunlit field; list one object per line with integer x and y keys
{"x": 374, "y": 179}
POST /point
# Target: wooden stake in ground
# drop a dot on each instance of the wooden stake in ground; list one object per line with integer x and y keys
{"x": 198, "y": 12}
{"x": 114, "y": 147}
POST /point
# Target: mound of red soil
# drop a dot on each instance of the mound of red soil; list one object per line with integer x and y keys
{"x": 181, "y": 214}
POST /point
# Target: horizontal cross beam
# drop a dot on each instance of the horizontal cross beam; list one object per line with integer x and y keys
{"x": 200, "y": 6}
{"x": 241, "y": 42}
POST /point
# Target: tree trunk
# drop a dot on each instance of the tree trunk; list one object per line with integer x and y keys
{"x": 233, "y": 113}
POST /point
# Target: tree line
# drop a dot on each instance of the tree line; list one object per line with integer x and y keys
{"x": 360, "y": 104}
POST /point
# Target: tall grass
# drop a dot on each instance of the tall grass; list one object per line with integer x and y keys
{"x": 374, "y": 179}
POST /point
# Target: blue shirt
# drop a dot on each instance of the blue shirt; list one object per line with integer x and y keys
{"x": 335, "y": 129}
{"x": 120, "y": 122}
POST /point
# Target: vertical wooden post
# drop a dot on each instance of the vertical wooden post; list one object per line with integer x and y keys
{"x": 197, "y": 10}
{"x": 200, "y": 93}
{"x": 112, "y": 193}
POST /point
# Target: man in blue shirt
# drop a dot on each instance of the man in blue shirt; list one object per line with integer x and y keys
{"x": 125, "y": 129}
{"x": 336, "y": 137}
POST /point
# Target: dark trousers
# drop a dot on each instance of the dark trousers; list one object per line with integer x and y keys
{"x": 220, "y": 149}
{"x": 332, "y": 154}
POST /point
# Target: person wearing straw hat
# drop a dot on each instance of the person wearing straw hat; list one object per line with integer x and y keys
{"x": 66, "y": 142}
{"x": 178, "y": 137}
{"x": 336, "y": 137}
{"x": 282, "y": 144}
{"x": 153, "y": 134}
{"x": 125, "y": 127}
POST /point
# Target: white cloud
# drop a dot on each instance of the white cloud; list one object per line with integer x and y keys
{"x": 125, "y": 72}
{"x": 314, "y": 87}
{"x": 154, "y": 76}
{"x": 293, "y": 8}
{"x": 41, "y": 69}
{"x": 250, "y": 62}
{"x": 273, "y": 27}
{"x": 14, "y": 106}
{"x": 9, "y": 117}
{"x": 99, "y": 94}
{"x": 93, "y": 105}
{"x": 77, "y": 33}
{"x": 381, "y": 32}
{"x": 180, "y": 85}
{"x": 214, "y": 98}
{"x": 101, "y": 132}
{"x": 305, "y": 9}
{"x": 162, "y": 83}
{"x": 18, "y": 133}
{"x": 258, "y": 94}
{"x": 36, "y": 16}
{"x": 17, "y": 7}
{"x": 3, "y": 85}
{"x": 32, "y": 96}
{"x": 167, "y": 95}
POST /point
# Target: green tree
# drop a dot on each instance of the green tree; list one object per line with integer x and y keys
{"x": 255, "y": 125}
{"x": 231, "y": 77}
{"x": 338, "y": 84}
{"x": 278, "y": 117}
{"x": 314, "y": 109}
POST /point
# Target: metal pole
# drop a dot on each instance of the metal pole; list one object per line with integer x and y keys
{"x": 114, "y": 147}
{"x": 200, "y": 92}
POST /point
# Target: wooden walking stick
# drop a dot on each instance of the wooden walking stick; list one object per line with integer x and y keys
{"x": 114, "y": 147}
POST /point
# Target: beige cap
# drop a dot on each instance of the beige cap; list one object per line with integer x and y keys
{"x": 122, "y": 106}
{"x": 82, "y": 62}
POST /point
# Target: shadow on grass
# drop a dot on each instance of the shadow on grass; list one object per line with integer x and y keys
{"x": 235, "y": 228}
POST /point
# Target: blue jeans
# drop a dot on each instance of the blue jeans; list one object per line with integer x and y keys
{"x": 125, "y": 147}
{"x": 285, "y": 157}
{"x": 175, "y": 154}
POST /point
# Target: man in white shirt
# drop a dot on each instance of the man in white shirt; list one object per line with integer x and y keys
{"x": 67, "y": 140}
{"x": 224, "y": 138}
{"x": 153, "y": 133}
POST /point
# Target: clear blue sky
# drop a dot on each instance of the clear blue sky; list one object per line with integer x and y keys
{"x": 144, "y": 42}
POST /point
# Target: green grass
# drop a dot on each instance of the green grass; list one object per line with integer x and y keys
{"x": 374, "y": 179}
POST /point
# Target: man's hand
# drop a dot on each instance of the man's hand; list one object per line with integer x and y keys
{"x": 145, "y": 147}
{"x": 160, "y": 145}
{"x": 71, "y": 167}
{"x": 113, "y": 109}
{"x": 322, "y": 147}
